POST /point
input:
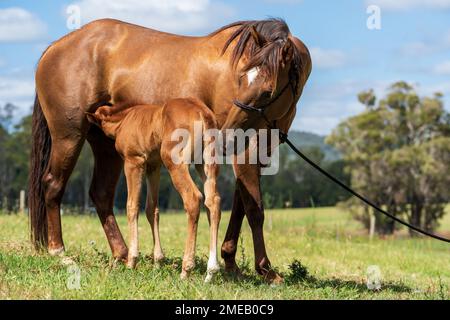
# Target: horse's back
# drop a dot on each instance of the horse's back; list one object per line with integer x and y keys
{"x": 88, "y": 65}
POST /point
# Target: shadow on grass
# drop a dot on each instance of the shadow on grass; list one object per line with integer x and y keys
{"x": 339, "y": 284}
{"x": 298, "y": 275}
{"x": 175, "y": 263}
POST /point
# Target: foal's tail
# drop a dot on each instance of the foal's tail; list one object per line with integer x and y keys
{"x": 39, "y": 158}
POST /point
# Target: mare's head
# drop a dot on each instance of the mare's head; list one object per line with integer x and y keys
{"x": 267, "y": 64}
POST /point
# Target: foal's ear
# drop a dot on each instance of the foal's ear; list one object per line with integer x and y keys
{"x": 94, "y": 118}
{"x": 259, "y": 39}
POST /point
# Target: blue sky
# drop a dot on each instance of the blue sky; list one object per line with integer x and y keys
{"x": 413, "y": 43}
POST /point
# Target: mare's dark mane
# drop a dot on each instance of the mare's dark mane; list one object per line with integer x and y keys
{"x": 269, "y": 58}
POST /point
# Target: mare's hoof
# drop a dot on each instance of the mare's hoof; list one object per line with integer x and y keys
{"x": 56, "y": 252}
{"x": 273, "y": 278}
{"x": 233, "y": 269}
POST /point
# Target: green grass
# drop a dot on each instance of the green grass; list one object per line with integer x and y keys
{"x": 332, "y": 247}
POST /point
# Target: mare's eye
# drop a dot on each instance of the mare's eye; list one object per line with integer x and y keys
{"x": 265, "y": 95}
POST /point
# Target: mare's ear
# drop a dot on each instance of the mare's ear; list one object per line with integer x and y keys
{"x": 259, "y": 39}
{"x": 94, "y": 118}
{"x": 287, "y": 52}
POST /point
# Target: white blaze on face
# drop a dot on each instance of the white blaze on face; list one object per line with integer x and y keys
{"x": 251, "y": 75}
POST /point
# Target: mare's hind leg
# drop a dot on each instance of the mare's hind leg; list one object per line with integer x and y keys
{"x": 107, "y": 168}
{"x": 152, "y": 211}
{"x": 63, "y": 156}
{"x": 192, "y": 197}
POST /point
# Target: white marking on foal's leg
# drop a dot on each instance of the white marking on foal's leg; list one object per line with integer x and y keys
{"x": 252, "y": 74}
{"x": 213, "y": 265}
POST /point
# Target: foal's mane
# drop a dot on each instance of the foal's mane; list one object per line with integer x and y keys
{"x": 269, "y": 58}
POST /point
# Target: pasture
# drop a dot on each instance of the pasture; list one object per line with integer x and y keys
{"x": 334, "y": 249}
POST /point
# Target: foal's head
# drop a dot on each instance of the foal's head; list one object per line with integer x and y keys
{"x": 108, "y": 123}
{"x": 267, "y": 64}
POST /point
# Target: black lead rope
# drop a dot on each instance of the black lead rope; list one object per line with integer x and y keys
{"x": 284, "y": 138}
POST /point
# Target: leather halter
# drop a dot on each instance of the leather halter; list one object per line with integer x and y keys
{"x": 292, "y": 83}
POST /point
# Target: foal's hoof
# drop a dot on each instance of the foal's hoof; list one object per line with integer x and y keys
{"x": 209, "y": 277}
{"x": 210, "y": 273}
{"x": 184, "y": 275}
{"x": 158, "y": 261}
{"x": 131, "y": 263}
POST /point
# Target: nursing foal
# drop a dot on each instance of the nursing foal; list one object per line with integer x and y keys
{"x": 143, "y": 137}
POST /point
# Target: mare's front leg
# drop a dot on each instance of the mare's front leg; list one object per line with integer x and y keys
{"x": 134, "y": 171}
{"x": 249, "y": 188}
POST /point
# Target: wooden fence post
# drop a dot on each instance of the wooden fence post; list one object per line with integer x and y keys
{"x": 22, "y": 202}
{"x": 372, "y": 226}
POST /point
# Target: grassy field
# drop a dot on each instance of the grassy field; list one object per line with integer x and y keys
{"x": 333, "y": 248}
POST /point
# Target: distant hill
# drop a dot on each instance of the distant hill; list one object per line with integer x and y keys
{"x": 307, "y": 139}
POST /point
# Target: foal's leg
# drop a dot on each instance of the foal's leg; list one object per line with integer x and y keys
{"x": 202, "y": 175}
{"x": 134, "y": 170}
{"x": 191, "y": 200}
{"x": 212, "y": 203}
{"x": 152, "y": 211}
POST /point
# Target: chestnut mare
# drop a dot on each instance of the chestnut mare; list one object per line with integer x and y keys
{"x": 144, "y": 139}
{"x": 109, "y": 62}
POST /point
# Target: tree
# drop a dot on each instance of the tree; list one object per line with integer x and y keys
{"x": 397, "y": 153}
{"x": 14, "y": 155}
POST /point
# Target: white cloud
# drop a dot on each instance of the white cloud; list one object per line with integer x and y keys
{"x": 442, "y": 68}
{"x": 182, "y": 16}
{"x": 19, "y": 91}
{"x": 404, "y": 5}
{"x": 317, "y": 125}
{"x": 417, "y": 49}
{"x": 20, "y": 25}
{"x": 327, "y": 58}
{"x": 436, "y": 44}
